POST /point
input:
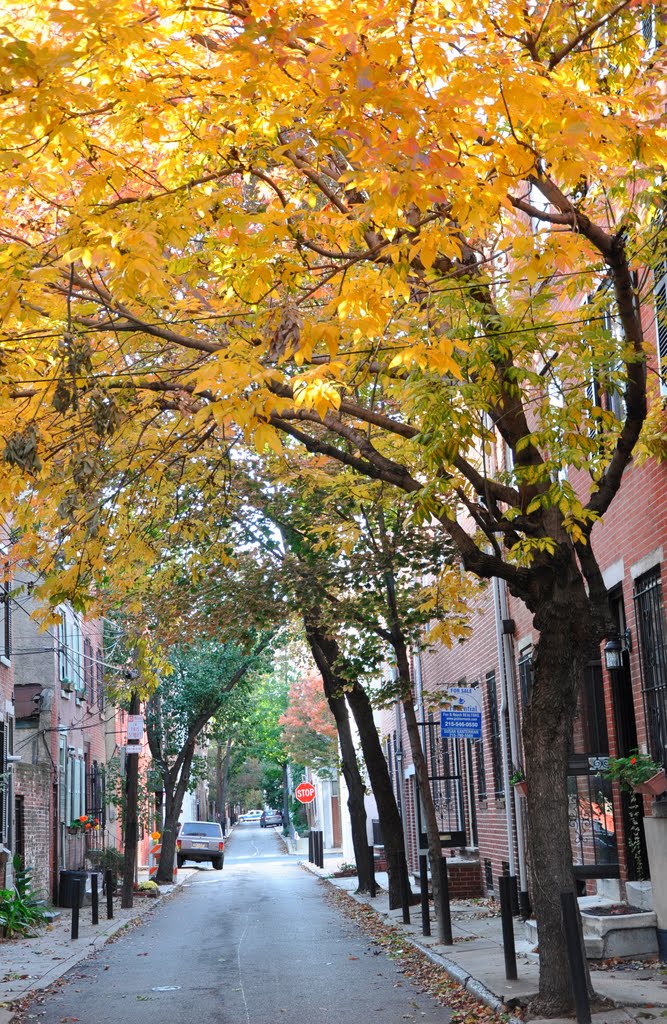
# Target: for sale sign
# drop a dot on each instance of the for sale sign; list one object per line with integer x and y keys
{"x": 463, "y": 719}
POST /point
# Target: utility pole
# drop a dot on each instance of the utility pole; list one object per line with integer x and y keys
{"x": 131, "y": 830}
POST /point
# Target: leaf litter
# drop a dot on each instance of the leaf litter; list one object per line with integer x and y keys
{"x": 410, "y": 961}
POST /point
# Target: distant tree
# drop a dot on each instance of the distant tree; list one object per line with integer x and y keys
{"x": 309, "y": 728}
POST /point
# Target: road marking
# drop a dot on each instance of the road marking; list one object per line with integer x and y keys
{"x": 238, "y": 962}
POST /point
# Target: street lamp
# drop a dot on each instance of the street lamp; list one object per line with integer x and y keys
{"x": 614, "y": 647}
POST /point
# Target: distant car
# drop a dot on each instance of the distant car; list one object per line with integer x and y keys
{"x": 200, "y": 841}
{"x": 250, "y": 816}
{"x": 271, "y": 818}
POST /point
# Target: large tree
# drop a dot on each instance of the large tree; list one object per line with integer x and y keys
{"x": 371, "y": 230}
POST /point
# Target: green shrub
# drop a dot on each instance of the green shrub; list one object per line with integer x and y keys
{"x": 21, "y": 908}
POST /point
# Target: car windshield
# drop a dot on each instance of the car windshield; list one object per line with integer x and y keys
{"x": 200, "y": 828}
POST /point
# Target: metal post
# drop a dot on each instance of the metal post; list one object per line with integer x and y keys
{"x": 94, "y": 898}
{"x": 445, "y": 909}
{"x": 108, "y": 882}
{"x": 320, "y": 839}
{"x": 405, "y": 886}
{"x": 372, "y": 887}
{"x": 311, "y": 858}
{"x": 505, "y": 888}
{"x": 76, "y": 900}
{"x": 423, "y": 885}
{"x": 524, "y": 905}
{"x": 575, "y": 956}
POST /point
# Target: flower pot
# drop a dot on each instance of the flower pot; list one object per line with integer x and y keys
{"x": 521, "y": 787}
{"x": 73, "y": 831}
{"x": 654, "y": 786}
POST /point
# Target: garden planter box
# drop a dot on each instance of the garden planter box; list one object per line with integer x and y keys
{"x": 654, "y": 786}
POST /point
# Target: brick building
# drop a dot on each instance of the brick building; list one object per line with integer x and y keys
{"x": 61, "y": 719}
{"x": 6, "y": 729}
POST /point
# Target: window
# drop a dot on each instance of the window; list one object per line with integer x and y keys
{"x": 5, "y": 620}
{"x": 63, "y": 650}
{"x": 99, "y": 669}
{"x": 650, "y": 615}
{"x": 525, "y": 677}
{"x": 88, "y": 671}
{"x": 494, "y": 733}
{"x": 481, "y": 770}
{"x": 660, "y": 297}
{"x": 76, "y": 655}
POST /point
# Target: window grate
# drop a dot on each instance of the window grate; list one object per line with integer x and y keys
{"x": 650, "y": 618}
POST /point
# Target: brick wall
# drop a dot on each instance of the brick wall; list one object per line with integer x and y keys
{"x": 34, "y": 785}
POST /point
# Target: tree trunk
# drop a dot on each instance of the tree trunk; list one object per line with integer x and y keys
{"x": 562, "y": 653}
{"x": 356, "y": 790}
{"x": 176, "y": 784}
{"x": 423, "y": 781}
{"x": 287, "y": 825}
{"x": 218, "y": 785}
{"x": 378, "y": 773}
{"x": 225, "y": 779}
{"x": 131, "y": 831}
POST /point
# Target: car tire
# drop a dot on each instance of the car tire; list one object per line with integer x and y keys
{"x": 180, "y": 861}
{"x": 217, "y": 863}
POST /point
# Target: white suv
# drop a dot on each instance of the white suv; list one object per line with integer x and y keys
{"x": 199, "y": 841}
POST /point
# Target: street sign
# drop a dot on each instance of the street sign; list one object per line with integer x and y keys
{"x": 135, "y": 727}
{"x": 463, "y": 720}
{"x": 305, "y": 792}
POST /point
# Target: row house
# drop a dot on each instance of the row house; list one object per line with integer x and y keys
{"x": 6, "y": 729}
{"x": 62, "y": 721}
{"x": 623, "y": 705}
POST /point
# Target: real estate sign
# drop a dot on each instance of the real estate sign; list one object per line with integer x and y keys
{"x": 462, "y": 720}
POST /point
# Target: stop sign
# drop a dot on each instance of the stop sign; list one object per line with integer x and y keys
{"x": 305, "y": 792}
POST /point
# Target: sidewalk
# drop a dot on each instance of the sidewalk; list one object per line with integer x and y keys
{"x": 637, "y": 989}
{"x": 29, "y": 965}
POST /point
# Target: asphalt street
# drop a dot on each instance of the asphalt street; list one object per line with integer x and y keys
{"x": 256, "y": 943}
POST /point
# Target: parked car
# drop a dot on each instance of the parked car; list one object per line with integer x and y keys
{"x": 200, "y": 841}
{"x": 250, "y": 816}
{"x": 271, "y": 818}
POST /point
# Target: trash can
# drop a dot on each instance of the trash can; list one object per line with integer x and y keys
{"x": 66, "y": 887}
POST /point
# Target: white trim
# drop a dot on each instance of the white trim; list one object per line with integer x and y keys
{"x": 647, "y": 562}
{"x": 9, "y": 708}
{"x": 5, "y": 661}
{"x": 409, "y": 771}
{"x": 524, "y": 642}
{"x": 613, "y": 574}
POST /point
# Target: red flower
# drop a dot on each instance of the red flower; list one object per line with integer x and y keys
{"x": 633, "y": 760}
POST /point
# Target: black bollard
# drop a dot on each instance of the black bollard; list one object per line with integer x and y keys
{"x": 405, "y": 886}
{"x": 311, "y": 855}
{"x": 94, "y": 898}
{"x": 505, "y": 888}
{"x": 423, "y": 885}
{"x": 76, "y": 900}
{"x": 445, "y": 909}
{"x": 575, "y": 955}
{"x": 372, "y": 886}
{"x": 320, "y": 839}
{"x": 108, "y": 883}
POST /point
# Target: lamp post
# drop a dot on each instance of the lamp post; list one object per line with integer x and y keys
{"x": 613, "y": 653}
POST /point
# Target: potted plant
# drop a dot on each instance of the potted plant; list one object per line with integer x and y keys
{"x": 518, "y": 780}
{"x": 81, "y": 824}
{"x": 638, "y": 773}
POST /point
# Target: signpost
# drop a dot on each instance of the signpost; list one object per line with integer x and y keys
{"x": 305, "y": 792}
{"x": 463, "y": 721}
